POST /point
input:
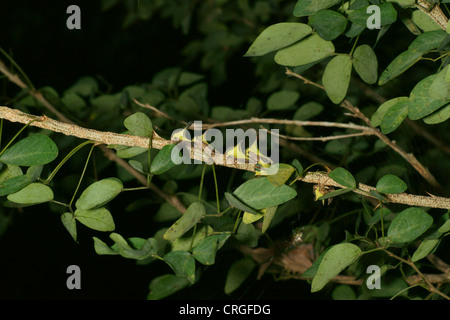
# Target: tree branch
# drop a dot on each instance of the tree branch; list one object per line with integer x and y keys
{"x": 157, "y": 142}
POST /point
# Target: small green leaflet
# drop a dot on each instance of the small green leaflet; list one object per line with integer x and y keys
{"x": 278, "y": 36}
{"x": 391, "y": 184}
{"x": 37, "y": 149}
{"x": 189, "y": 219}
{"x": 99, "y": 219}
{"x": 308, "y": 50}
{"x": 99, "y": 193}
{"x": 260, "y": 193}
{"x": 336, "y": 259}
{"x": 336, "y": 77}
{"x": 408, "y": 225}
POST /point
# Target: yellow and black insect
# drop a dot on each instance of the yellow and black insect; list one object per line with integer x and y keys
{"x": 320, "y": 190}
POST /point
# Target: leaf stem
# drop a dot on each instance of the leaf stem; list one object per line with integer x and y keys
{"x": 81, "y": 178}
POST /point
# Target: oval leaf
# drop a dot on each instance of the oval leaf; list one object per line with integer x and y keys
{"x": 336, "y": 77}
{"x": 343, "y": 177}
{"x": 182, "y": 263}
{"x": 99, "y": 219}
{"x": 379, "y": 114}
{"x": 329, "y": 24}
{"x": 283, "y": 174}
{"x": 366, "y": 63}
{"x": 336, "y": 259}
{"x": 278, "y": 36}
{"x": 34, "y": 193}
{"x": 189, "y": 219}
{"x": 139, "y": 124}
{"x": 394, "y": 117}
{"x": 37, "y": 150}
{"x": 309, "y": 50}
{"x": 260, "y": 193}
{"x": 99, "y": 193}
{"x": 391, "y": 184}
{"x": 282, "y": 100}
{"x": 163, "y": 160}
{"x": 408, "y": 225}
{"x": 69, "y": 222}
{"x": 238, "y": 272}
{"x": 166, "y": 285}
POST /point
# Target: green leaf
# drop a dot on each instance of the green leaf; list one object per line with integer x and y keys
{"x": 268, "y": 216}
{"x": 205, "y": 251}
{"x": 282, "y": 100}
{"x": 163, "y": 160}
{"x": 130, "y": 152}
{"x": 440, "y": 87}
{"x": 343, "y": 177}
{"x": 388, "y": 15}
{"x": 408, "y": 225}
{"x": 336, "y": 77}
{"x": 421, "y": 103}
{"x": 238, "y": 272}
{"x": 247, "y": 235}
{"x": 335, "y": 193}
{"x": 283, "y": 174}
{"x": 139, "y": 249}
{"x": 99, "y": 219}
{"x": 308, "y": 111}
{"x": 329, "y": 24}
{"x": 391, "y": 184}
{"x": 191, "y": 239}
{"x": 343, "y": 292}
{"x": 33, "y": 193}
{"x": 428, "y": 41}
{"x": 336, "y": 259}
{"x": 394, "y": 117}
{"x": 36, "y": 150}
{"x": 99, "y": 193}
{"x": 309, "y": 50}
{"x": 165, "y": 285}
{"x": 366, "y": 64}
{"x": 182, "y": 263}
{"x": 14, "y": 184}
{"x": 248, "y": 217}
{"x": 298, "y": 166}
{"x": 308, "y": 7}
{"x": 424, "y": 249}
{"x": 139, "y": 124}
{"x": 439, "y": 116}
{"x": 424, "y": 22}
{"x": 379, "y": 114}
{"x": 190, "y": 218}
{"x": 260, "y": 193}
{"x": 278, "y": 36}
{"x": 69, "y": 222}
{"x": 400, "y": 64}
{"x": 84, "y": 86}
{"x": 102, "y": 248}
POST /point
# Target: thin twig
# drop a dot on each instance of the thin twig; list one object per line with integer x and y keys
{"x": 409, "y": 157}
